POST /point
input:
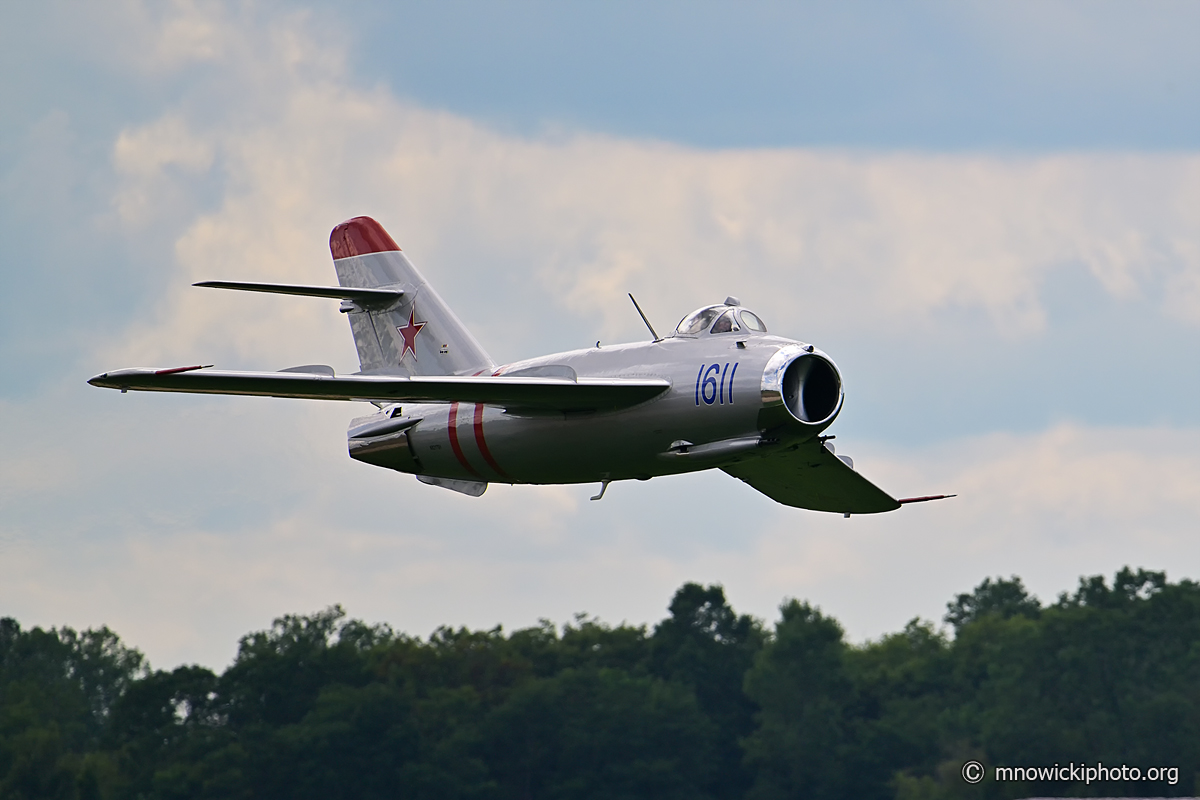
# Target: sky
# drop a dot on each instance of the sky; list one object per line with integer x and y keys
{"x": 987, "y": 214}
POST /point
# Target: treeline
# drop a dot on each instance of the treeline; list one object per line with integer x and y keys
{"x": 707, "y": 704}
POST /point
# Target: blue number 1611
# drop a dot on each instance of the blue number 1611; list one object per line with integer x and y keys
{"x": 710, "y": 383}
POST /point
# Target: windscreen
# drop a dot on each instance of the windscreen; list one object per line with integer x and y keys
{"x": 698, "y": 321}
{"x": 751, "y": 321}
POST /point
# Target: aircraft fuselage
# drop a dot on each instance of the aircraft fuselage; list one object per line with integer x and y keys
{"x": 719, "y": 408}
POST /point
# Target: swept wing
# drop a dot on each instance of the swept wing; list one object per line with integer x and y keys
{"x": 812, "y": 477}
{"x": 547, "y": 393}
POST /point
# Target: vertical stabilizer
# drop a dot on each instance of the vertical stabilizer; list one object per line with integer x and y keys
{"x": 415, "y": 335}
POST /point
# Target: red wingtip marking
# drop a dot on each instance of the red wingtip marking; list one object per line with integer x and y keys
{"x": 174, "y": 370}
{"x": 926, "y": 499}
{"x": 359, "y": 236}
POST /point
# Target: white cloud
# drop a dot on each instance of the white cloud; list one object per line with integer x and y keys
{"x": 184, "y": 522}
{"x": 871, "y": 241}
{"x": 153, "y": 159}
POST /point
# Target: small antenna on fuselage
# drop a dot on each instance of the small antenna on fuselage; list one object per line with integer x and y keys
{"x": 657, "y": 338}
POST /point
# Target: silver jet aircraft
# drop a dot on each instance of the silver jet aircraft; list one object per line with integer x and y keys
{"x": 721, "y": 391}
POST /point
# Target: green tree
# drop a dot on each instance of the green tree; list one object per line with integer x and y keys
{"x": 57, "y": 692}
{"x": 1002, "y": 597}
{"x": 707, "y": 647}
{"x": 904, "y": 685}
{"x": 593, "y": 734}
{"x": 161, "y": 729}
{"x": 278, "y": 674}
{"x": 1107, "y": 674}
{"x": 322, "y": 706}
{"x": 804, "y": 744}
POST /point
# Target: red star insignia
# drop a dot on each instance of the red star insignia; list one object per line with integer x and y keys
{"x": 409, "y": 332}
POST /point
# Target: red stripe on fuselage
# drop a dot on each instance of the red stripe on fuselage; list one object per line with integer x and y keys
{"x": 482, "y": 443}
{"x": 452, "y": 429}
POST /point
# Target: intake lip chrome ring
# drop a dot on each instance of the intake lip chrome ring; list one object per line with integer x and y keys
{"x": 804, "y": 381}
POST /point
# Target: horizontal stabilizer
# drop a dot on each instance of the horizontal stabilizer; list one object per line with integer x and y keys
{"x": 812, "y": 477}
{"x": 542, "y": 393}
{"x": 364, "y": 297}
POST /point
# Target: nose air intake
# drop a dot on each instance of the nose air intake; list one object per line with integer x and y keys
{"x": 800, "y": 388}
{"x": 811, "y": 389}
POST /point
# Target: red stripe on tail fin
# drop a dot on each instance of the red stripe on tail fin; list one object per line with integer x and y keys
{"x": 358, "y": 237}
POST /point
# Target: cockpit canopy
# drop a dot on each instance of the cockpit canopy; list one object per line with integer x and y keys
{"x": 728, "y": 317}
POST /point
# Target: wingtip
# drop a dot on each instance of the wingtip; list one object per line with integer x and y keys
{"x": 176, "y": 370}
{"x": 925, "y": 499}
